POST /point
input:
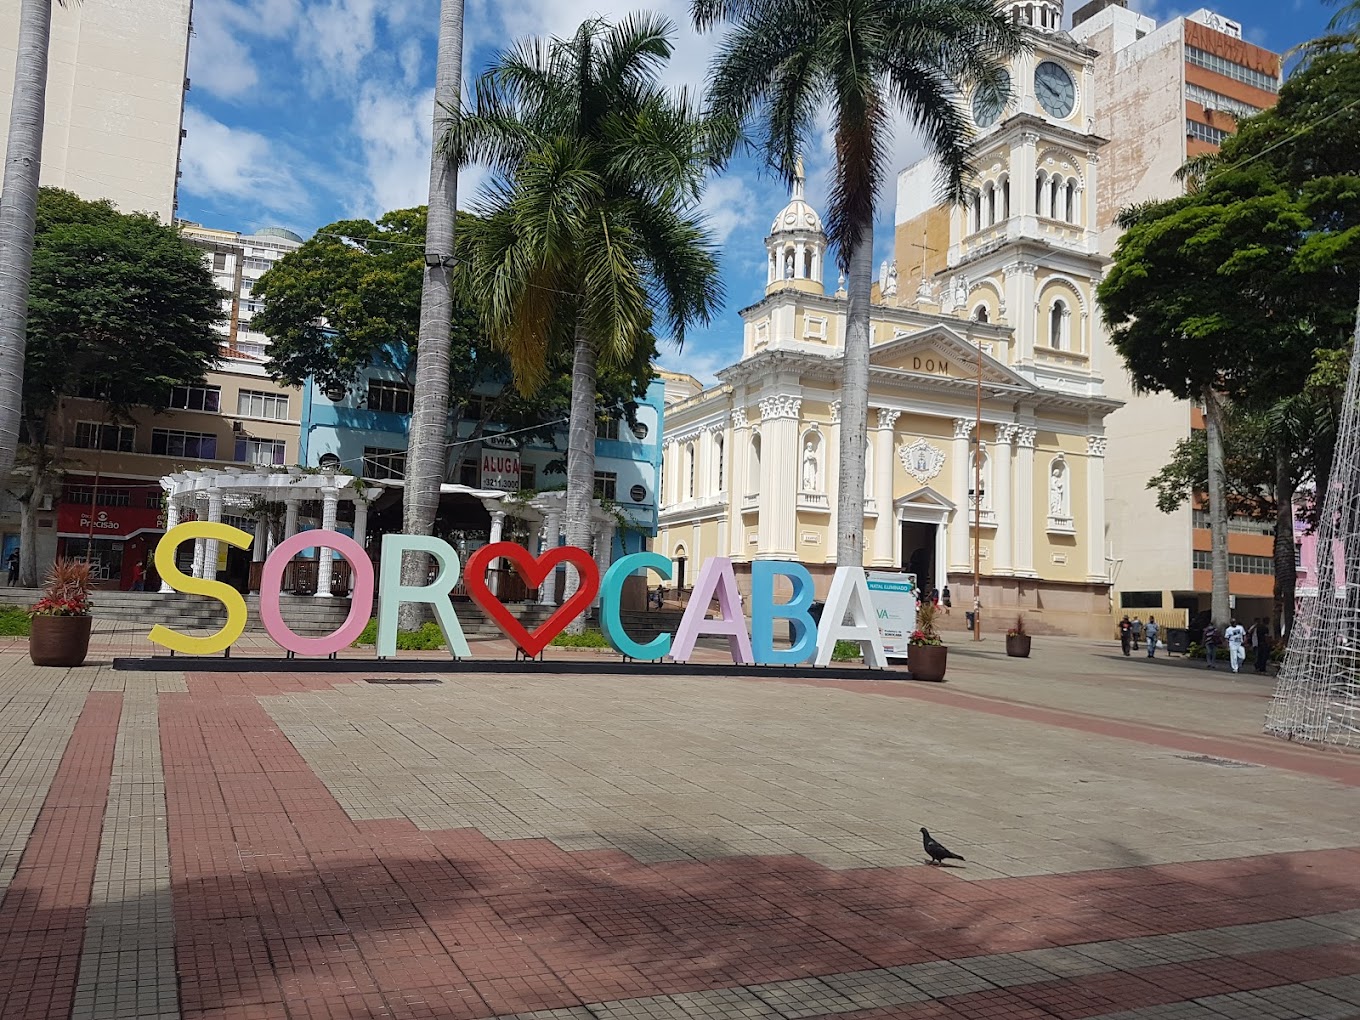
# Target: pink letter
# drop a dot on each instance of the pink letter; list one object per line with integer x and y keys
{"x": 361, "y": 604}
{"x": 715, "y": 576}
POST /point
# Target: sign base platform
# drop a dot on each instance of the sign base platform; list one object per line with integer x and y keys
{"x": 601, "y": 667}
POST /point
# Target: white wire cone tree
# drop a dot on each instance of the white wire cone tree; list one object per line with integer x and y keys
{"x": 1317, "y": 696}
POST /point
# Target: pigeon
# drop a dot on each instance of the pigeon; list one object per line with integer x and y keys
{"x": 938, "y": 851}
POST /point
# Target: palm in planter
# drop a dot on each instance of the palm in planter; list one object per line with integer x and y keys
{"x": 1017, "y": 639}
{"x": 60, "y": 633}
{"x": 927, "y": 654}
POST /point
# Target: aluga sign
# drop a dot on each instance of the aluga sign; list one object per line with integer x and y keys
{"x": 847, "y": 616}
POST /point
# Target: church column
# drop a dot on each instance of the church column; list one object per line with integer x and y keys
{"x": 738, "y": 454}
{"x": 1021, "y": 310}
{"x": 798, "y": 250}
{"x": 831, "y": 461}
{"x": 1001, "y": 499}
{"x": 885, "y": 527}
{"x": 1096, "y": 570}
{"x": 1024, "y": 501}
{"x": 772, "y": 273}
{"x": 779, "y": 466}
{"x": 959, "y": 532}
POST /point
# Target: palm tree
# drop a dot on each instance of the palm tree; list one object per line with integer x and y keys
{"x": 591, "y": 227}
{"x": 427, "y": 445}
{"x": 786, "y": 60}
{"x": 18, "y": 213}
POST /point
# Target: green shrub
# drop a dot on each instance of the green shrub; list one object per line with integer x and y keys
{"x": 428, "y": 638}
{"x": 587, "y": 639}
{"x": 14, "y": 622}
{"x": 1196, "y": 651}
{"x": 846, "y": 651}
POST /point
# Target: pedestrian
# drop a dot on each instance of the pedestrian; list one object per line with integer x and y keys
{"x": 935, "y": 597}
{"x": 1125, "y": 634}
{"x": 1150, "y": 632}
{"x": 1236, "y": 636}
{"x": 1210, "y": 640}
{"x": 1263, "y": 645}
{"x": 13, "y": 564}
{"x": 138, "y": 577}
{"x": 947, "y": 600}
{"x": 1137, "y": 631}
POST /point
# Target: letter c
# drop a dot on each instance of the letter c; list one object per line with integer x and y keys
{"x": 611, "y": 588}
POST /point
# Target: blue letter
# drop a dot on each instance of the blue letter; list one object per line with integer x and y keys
{"x": 765, "y": 611}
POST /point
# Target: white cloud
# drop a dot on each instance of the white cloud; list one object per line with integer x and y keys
{"x": 232, "y": 163}
{"x": 394, "y": 129}
{"x": 727, "y": 205}
{"x": 334, "y": 38}
{"x": 702, "y": 363}
{"x": 220, "y": 61}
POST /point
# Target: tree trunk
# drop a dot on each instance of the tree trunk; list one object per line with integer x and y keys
{"x": 855, "y": 406}
{"x": 1286, "y": 575}
{"x": 18, "y": 214}
{"x": 427, "y": 447}
{"x": 578, "y": 522}
{"x": 1218, "y": 508}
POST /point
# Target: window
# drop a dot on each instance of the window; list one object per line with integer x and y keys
{"x": 753, "y": 465}
{"x": 1212, "y": 100}
{"x": 469, "y": 473}
{"x": 1241, "y": 525}
{"x": 640, "y": 430}
{"x": 174, "y": 443}
{"x": 980, "y": 314}
{"x": 384, "y": 463}
{"x": 1238, "y": 563}
{"x": 219, "y": 261}
{"x": 196, "y": 398}
{"x": 476, "y": 407}
{"x": 1232, "y": 69}
{"x": 1071, "y": 201}
{"x": 1006, "y": 198}
{"x": 606, "y": 485}
{"x": 607, "y": 425}
{"x": 1298, "y": 557}
{"x": 1057, "y": 325}
{"x": 1140, "y": 600}
{"x": 528, "y": 477}
{"x": 84, "y": 495}
{"x": 719, "y": 468}
{"x": 258, "y": 404}
{"x": 691, "y": 466}
{"x": 92, "y": 435}
{"x": 1204, "y": 133}
{"x": 260, "y": 451}
{"x": 389, "y": 396}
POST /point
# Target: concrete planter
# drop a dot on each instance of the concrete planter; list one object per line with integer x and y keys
{"x": 927, "y": 662}
{"x": 59, "y": 640}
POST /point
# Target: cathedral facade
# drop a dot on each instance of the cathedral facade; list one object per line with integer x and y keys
{"x": 996, "y": 297}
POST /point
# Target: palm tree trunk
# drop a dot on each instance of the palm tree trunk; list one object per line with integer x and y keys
{"x": 855, "y": 406}
{"x": 1286, "y": 576}
{"x": 18, "y": 214}
{"x": 1218, "y": 508}
{"x": 579, "y": 525}
{"x": 427, "y": 448}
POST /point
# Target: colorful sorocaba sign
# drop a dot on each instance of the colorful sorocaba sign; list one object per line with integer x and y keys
{"x": 847, "y": 616}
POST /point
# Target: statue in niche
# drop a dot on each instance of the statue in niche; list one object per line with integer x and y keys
{"x": 890, "y": 288}
{"x": 810, "y": 468}
{"x": 1057, "y": 485}
{"x": 788, "y": 266}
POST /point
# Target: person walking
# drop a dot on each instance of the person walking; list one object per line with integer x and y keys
{"x": 138, "y": 577}
{"x": 1150, "y": 632}
{"x": 1262, "y": 644}
{"x": 1210, "y": 640}
{"x": 13, "y": 564}
{"x": 1236, "y": 636}
{"x": 1125, "y": 635}
{"x": 1137, "y": 631}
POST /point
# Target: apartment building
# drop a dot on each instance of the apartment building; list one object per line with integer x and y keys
{"x": 1165, "y": 93}
{"x": 115, "y": 99}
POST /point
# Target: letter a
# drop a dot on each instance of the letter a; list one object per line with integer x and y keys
{"x": 850, "y": 595}
{"x": 715, "y": 576}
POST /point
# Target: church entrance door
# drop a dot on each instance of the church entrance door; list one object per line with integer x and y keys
{"x": 918, "y": 552}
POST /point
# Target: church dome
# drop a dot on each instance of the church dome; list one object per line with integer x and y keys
{"x": 797, "y": 215}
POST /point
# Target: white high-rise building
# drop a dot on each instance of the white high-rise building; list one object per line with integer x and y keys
{"x": 116, "y": 80}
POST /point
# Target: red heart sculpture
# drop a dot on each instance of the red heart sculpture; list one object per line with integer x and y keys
{"x": 534, "y": 570}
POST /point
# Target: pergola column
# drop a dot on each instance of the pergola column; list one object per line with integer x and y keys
{"x": 604, "y": 548}
{"x": 210, "y": 545}
{"x": 497, "y": 530}
{"x": 290, "y": 518}
{"x": 171, "y": 520}
{"x": 325, "y": 566}
{"x": 257, "y": 548}
{"x": 552, "y": 529}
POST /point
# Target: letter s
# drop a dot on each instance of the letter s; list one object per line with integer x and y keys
{"x": 224, "y": 593}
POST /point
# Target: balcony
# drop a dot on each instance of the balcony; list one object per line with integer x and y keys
{"x": 988, "y": 518}
{"x": 1061, "y": 526}
{"x": 818, "y": 502}
{"x": 750, "y": 501}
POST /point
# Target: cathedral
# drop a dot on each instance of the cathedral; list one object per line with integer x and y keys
{"x": 996, "y": 296}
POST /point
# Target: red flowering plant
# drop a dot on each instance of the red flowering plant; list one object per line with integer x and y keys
{"x": 66, "y": 591}
{"x": 925, "y": 632}
{"x": 1018, "y": 628}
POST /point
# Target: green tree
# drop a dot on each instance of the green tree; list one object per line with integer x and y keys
{"x": 785, "y": 61}
{"x": 121, "y": 308}
{"x": 592, "y": 227}
{"x": 349, "y": 300}
{"x": 18, "y": 208}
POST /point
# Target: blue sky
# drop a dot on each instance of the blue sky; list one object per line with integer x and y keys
{"x": 303, "y": 112}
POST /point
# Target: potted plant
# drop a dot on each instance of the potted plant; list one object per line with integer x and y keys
{"x": 60, "y": 634}
{"x": 927, "y": 654}
{"x": 1017, "y": 639}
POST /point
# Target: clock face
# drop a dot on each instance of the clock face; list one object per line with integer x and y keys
{"x": 985, "y": 112}
{"x": 1056, "y": 91}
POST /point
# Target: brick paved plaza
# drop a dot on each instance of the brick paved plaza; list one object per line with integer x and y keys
{"x": 317, "y": 846}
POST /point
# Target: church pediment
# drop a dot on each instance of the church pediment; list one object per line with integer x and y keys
{"x": 943, "y": 353}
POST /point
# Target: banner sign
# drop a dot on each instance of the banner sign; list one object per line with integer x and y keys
{"x": 894, "y": 598}
{"x": 848, "y": 615}
{"x": 500, "y": 469}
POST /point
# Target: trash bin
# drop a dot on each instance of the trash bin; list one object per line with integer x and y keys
{"x": 815, "y": 611}
{"x": 1178, "y": 640}
{"x": 969, "y": 618}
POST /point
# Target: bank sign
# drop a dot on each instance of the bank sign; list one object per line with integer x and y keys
{"x": 848, "y": 614}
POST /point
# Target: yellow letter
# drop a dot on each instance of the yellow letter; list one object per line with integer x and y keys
{"x": 224, "y": 593}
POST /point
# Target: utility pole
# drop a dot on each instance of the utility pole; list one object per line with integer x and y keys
{"x": 977, "y": 499}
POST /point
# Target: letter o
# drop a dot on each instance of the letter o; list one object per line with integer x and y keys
{"x": 361, "y": 604}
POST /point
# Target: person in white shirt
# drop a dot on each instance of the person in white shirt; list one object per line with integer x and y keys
{"x": 1236, "y": 636}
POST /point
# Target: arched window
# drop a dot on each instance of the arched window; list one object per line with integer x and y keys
{"x": 1039, "y": 193}
{"x": 990, "y": 196}
{"x": 1057, "y": 325}
{"x": 1055, "y": 197}
{"x": 691, "y": 466}
{"x": 977, "y": 211}
{"x": 1006, "y": 199}
{"x": 681, "y": 558}
{"x": 719, "y": 465}
{"x": 980, "y": 314}
{"x": 753, "y": 465}
{"x": 1071, "y": 201}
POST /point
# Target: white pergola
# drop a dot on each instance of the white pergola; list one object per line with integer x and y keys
{"x": 208, "y": 493}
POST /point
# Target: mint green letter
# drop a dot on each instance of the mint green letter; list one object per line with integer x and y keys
{"x": 392, "y": 593}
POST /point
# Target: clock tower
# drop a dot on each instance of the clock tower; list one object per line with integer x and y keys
{"x": 1024, "y": 251}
